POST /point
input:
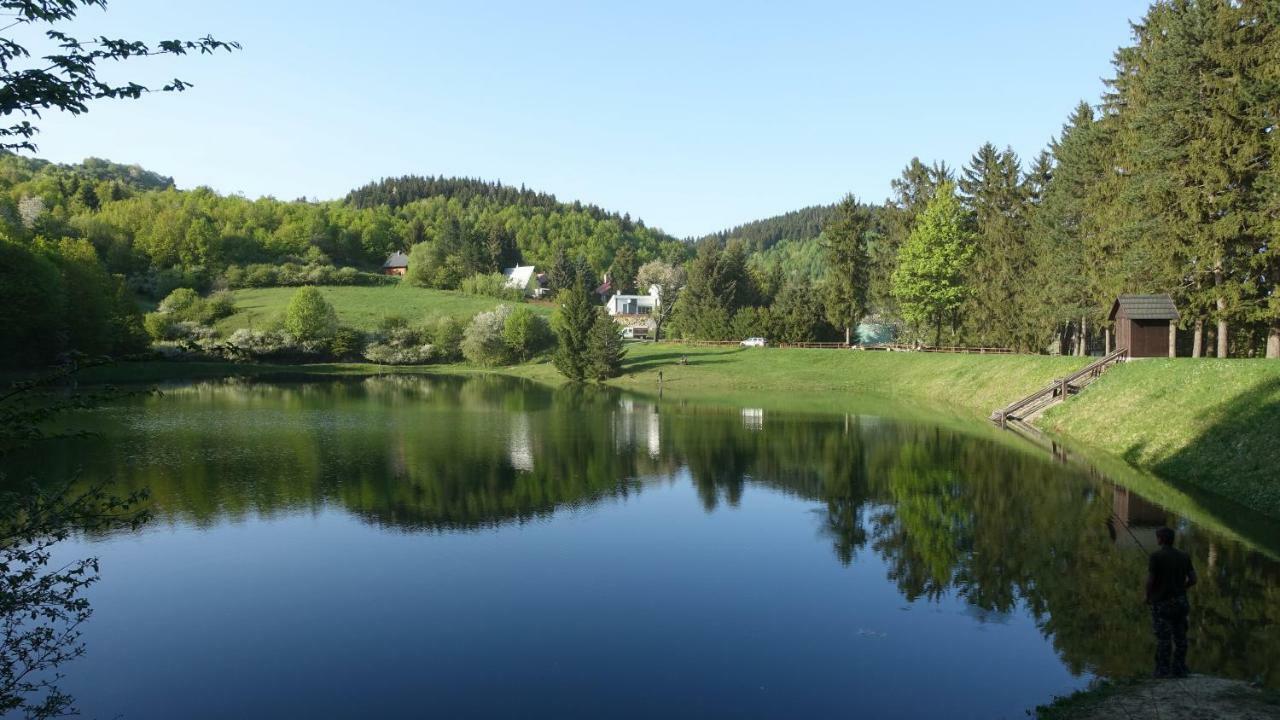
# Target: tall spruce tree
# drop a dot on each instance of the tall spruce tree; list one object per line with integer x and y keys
{"x": 622, "y": 274}
{"x": 1058, "y": 227}
{"x": 573, "y": 324}
{"x": 844, "y": 246}
{"x": 993, "y": 193}
{"x": 604, "y": 349}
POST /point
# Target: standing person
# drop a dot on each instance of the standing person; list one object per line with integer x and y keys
{"x": 1169, "y": 574}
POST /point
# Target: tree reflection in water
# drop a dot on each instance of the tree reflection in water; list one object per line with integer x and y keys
{"x": 949, "y": 512}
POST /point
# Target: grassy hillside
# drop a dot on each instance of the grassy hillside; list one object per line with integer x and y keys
{"x": 1214, "y": 424}
{"x": 360, "y": 307}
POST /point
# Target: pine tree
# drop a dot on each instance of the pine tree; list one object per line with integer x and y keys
{"x": 604, "y": 351}
{"x": 992, "y": 191}
{"x": 622, "y": 274}
{"x": 561, "y": 275}
{"x": 844, "y": 245}
{"x": 1058, "y": 228}
{"x": 573, "y": 324}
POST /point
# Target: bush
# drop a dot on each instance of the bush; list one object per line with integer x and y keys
{"x": 399, "y": 345}
{"x": 310, "y": 317}
{"x": 292, "y": 274}
{"x": 246, "y": 344}
{"x": 217, "y": 306}
{"x": 182, "y": 304}
{"x": 483, "y": 342}
{"x": 526, "y": 333}
{"x": 160, "y": 326}
{"x": 447, "y": 336}
{"x": 491, "y": 285}
{"x": 346, "y": 343}
{"x": 389, "y": 354}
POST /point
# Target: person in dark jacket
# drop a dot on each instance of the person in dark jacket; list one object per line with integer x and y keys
{"x": 1169, "y": 574}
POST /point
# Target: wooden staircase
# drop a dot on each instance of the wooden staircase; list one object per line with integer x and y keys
{"x": 1029, "y": 407}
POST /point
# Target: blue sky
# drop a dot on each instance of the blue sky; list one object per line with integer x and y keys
{"x": 692, "y": 116}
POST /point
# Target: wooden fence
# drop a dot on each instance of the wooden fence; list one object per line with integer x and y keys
{"x": 842, "y": 346}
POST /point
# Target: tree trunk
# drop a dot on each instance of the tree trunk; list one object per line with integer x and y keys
{"x": 848, "y": 333}
{"x": 1222, "y": 310}
{"x": 937, "y": 336}
{"x": 1197, "y": 339}
{"x": 1082, "y": 348}
{"x": 1173, "y": 339}
{"x": 1106, "y": 340}
{"x": 1273, "y": 342}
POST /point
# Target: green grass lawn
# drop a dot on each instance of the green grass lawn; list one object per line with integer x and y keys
{"x": 1214, "y": 424}
{"x": 360, "y": 307}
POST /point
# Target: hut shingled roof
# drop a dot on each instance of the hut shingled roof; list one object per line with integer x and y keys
{"x": 1145, "y": 307}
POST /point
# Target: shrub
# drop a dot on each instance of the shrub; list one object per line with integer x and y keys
{"x": 526, "y": 333}
{"x": 160, "y": 325}
{"x": 217, "y": 306}
{"x": 491, "y": 285}
{"x": 292, "y": 274}
{"x": 309, "y": 316}
{"x": 447, "y": 336}
{"x": 399, "y": 345}
{"x": 182, "y": 304}
{"x": 389, "y": 354}
{"x": 483, "y": 342}
{"x": 245, "y": 344}
{"x": 346, "y": 343}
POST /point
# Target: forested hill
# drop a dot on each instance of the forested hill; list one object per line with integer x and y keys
{"x": 758, "y": 235}
{"x": 68, "y": 180}
{"x": 399, "y": 191}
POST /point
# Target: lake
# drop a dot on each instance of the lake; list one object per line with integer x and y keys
{"x": 486, "y": 547}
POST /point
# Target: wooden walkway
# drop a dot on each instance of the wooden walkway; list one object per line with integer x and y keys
{"x": 1032, "y": 405}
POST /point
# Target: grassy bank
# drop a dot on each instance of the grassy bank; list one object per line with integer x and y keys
{"x": 970, "y": 385}
{"x": 360, "y": 307}
{"x": 1213, "y": 424}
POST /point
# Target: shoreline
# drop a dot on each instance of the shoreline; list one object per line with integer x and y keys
{"x": 1203, "y": 426}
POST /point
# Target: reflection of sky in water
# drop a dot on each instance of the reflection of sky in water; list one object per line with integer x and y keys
{"x": 487, "y": 549}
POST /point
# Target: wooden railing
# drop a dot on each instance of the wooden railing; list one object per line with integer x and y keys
{"x": 896, "y": 347}
{"x": 1058, "y": 390}
{"x": 842, "y": 346}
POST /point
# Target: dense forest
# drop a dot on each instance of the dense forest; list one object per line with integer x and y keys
{"x": 1167, "y": 185}
{"x": 760, "y": 235}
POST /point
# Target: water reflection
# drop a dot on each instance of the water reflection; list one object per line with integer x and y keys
{"x": 947, "y": 512}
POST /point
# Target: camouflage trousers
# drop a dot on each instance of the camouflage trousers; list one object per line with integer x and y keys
{"x": 1169, "y": 620}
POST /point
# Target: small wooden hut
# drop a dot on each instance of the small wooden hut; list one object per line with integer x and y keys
{"x": 1145, "y": 324}
{"x": 397, "y": 264}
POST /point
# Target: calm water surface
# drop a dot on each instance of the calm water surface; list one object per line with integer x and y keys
{"x": 407, "y": 547}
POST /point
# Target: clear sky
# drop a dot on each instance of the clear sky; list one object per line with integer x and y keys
{"x": 694, "y": 116}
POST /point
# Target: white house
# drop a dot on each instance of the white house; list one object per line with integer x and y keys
{"x": 521, "y": 277}
{"x": 621, "y": 304}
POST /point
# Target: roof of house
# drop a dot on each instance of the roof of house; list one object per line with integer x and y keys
{"x": 1145, "y": 307}
{"x": 604, "y": 288}
{"x": 519, "y": 276}
{"x": 396, "y": 260}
